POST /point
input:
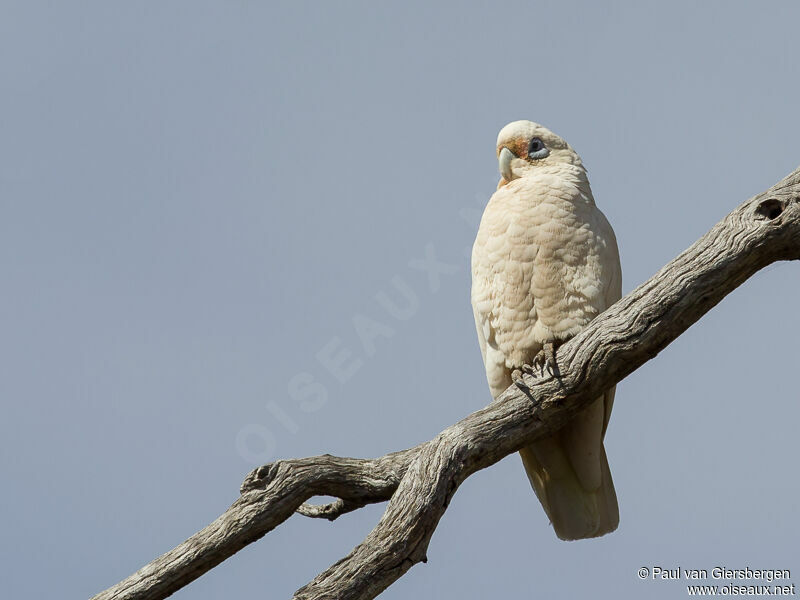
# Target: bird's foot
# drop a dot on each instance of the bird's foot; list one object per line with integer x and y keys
{"x": 545, "y": 359}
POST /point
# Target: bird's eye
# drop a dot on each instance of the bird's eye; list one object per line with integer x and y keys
{"x": 537, "y": 149}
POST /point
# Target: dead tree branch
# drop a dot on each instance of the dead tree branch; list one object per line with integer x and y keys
{"x": 419, "y": 482}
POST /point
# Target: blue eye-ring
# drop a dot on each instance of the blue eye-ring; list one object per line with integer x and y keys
{"x": 537, "y": 149}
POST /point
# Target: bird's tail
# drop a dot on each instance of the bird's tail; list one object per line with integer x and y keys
{"x": 580, "y": 502}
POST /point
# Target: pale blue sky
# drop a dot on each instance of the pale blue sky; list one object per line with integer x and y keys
{"x": 196, "y": 198}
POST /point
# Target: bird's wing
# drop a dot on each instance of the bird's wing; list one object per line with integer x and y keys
{"x": 613, "y": 291}
{"x": 502, "y": 260}
{"x": 497, "y": 374}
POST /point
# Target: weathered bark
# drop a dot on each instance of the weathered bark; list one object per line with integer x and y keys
{"x": 420, "y": 481}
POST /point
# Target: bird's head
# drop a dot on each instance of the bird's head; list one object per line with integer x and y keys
{"x": 525, "y": 146}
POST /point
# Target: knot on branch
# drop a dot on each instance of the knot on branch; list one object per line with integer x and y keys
{"x": 770, "y": 209}
{"x": 260, "y": 478}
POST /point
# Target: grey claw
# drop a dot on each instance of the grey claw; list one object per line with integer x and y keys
{"x": 546, "y": 359}
{"x": 516, "y": 378}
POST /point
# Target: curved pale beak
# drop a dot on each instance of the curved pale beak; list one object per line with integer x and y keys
{"x": 504, "y": 161}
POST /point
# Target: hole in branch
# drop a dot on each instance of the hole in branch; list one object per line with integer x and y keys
{"x": 770, "y": 209}
{"x": 321, "y": 500}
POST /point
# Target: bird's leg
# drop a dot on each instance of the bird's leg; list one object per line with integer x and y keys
{"x": 546, "y": 359}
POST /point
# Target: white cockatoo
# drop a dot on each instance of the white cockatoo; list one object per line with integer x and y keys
{"x": 545, "y": 263}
